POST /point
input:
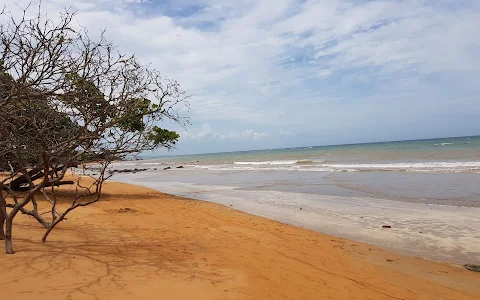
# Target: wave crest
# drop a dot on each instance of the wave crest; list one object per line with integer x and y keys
{"x": 278, "y": 162}
{"x": 318, "y": 166}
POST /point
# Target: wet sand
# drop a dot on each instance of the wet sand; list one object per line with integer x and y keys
{"x": 437, "y": 232}
{"x": 167, "y": 247}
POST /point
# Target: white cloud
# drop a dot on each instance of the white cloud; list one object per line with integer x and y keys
{"x": 248, "y": 134}
{"x": 308, "y": 63}
{"x": 206, "y": 132}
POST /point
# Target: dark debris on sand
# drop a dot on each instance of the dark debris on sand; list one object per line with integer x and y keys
{"x": 473, "y": 268}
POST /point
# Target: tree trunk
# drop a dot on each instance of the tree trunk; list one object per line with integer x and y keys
{"x": 3, "y": 216}
{"x": 60, "y": 218}
{"x": 45, "y": 235}
{"x": 11, "y": 167}
{"x": 8, "y": 236}
{"x": 2, "y": 225}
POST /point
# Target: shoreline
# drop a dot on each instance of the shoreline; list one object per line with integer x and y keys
{"x": 443, "y": 233}
{"x": 171, "y": 247}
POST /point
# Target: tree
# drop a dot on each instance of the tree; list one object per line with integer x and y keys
{"x": 69, "y": 101}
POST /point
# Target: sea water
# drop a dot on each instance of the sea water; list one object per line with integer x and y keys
{"x": 435, "y": 171}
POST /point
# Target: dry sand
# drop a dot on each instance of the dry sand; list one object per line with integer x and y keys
{"x": 166, "y": 247}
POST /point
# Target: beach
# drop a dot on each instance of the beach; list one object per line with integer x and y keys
{"x": 138, "y": 243}
{"x": 442, "y": 233}
{"x": 239, "y": 150}
{"x": 426, "y": 191}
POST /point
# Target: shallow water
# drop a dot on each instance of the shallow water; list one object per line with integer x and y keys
{"x": 452, "y": 189}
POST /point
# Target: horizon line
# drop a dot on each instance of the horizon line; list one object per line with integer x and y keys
{"x": 328, "y": 145}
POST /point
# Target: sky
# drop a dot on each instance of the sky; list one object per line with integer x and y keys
{"x": 286, "y": 73}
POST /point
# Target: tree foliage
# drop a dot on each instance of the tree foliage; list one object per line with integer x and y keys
{"x": 69, "y": 101}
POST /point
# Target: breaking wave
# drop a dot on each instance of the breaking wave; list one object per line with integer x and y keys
{"x": 320, "y": 166}
{"x": 277, "y": 162}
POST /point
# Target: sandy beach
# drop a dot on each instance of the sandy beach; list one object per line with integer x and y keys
{"x": 138, "y": 243}
{"x": 436, "y": 232}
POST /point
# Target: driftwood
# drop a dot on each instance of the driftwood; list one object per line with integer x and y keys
{"x": 34, "y": 174}
{"x": 27, "y": 188}
{"x": 19, "y": 183}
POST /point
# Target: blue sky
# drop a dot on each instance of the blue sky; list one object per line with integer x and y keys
{"x": 286, "y": 73}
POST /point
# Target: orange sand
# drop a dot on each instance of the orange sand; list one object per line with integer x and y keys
{"x": 168, "y": 247}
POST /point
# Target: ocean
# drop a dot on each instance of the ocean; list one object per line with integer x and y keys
{"x": 427, "y": 154}
{"x": 427, "y": 190}
{"x": 442, "y": 171}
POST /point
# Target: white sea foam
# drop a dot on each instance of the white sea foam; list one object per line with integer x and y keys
{"x": 318, "y": 166}
{"x": 269, "y": 162}
{"x": 140, "y": 164}
{"x": 229, "y": 167}
{"x": 423, "y": 166}
{"x": 278, "y": 162}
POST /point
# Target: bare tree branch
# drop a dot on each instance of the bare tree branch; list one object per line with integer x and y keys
{"x": 66, "y": 101}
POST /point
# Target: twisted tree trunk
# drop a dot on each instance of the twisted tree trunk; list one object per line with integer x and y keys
{"x": 2, "y": 225}
{"x": 3, "y": 216}
{"x": 8, "y": 236}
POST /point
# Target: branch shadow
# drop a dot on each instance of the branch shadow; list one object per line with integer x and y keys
{"x": 100, "y": 262}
